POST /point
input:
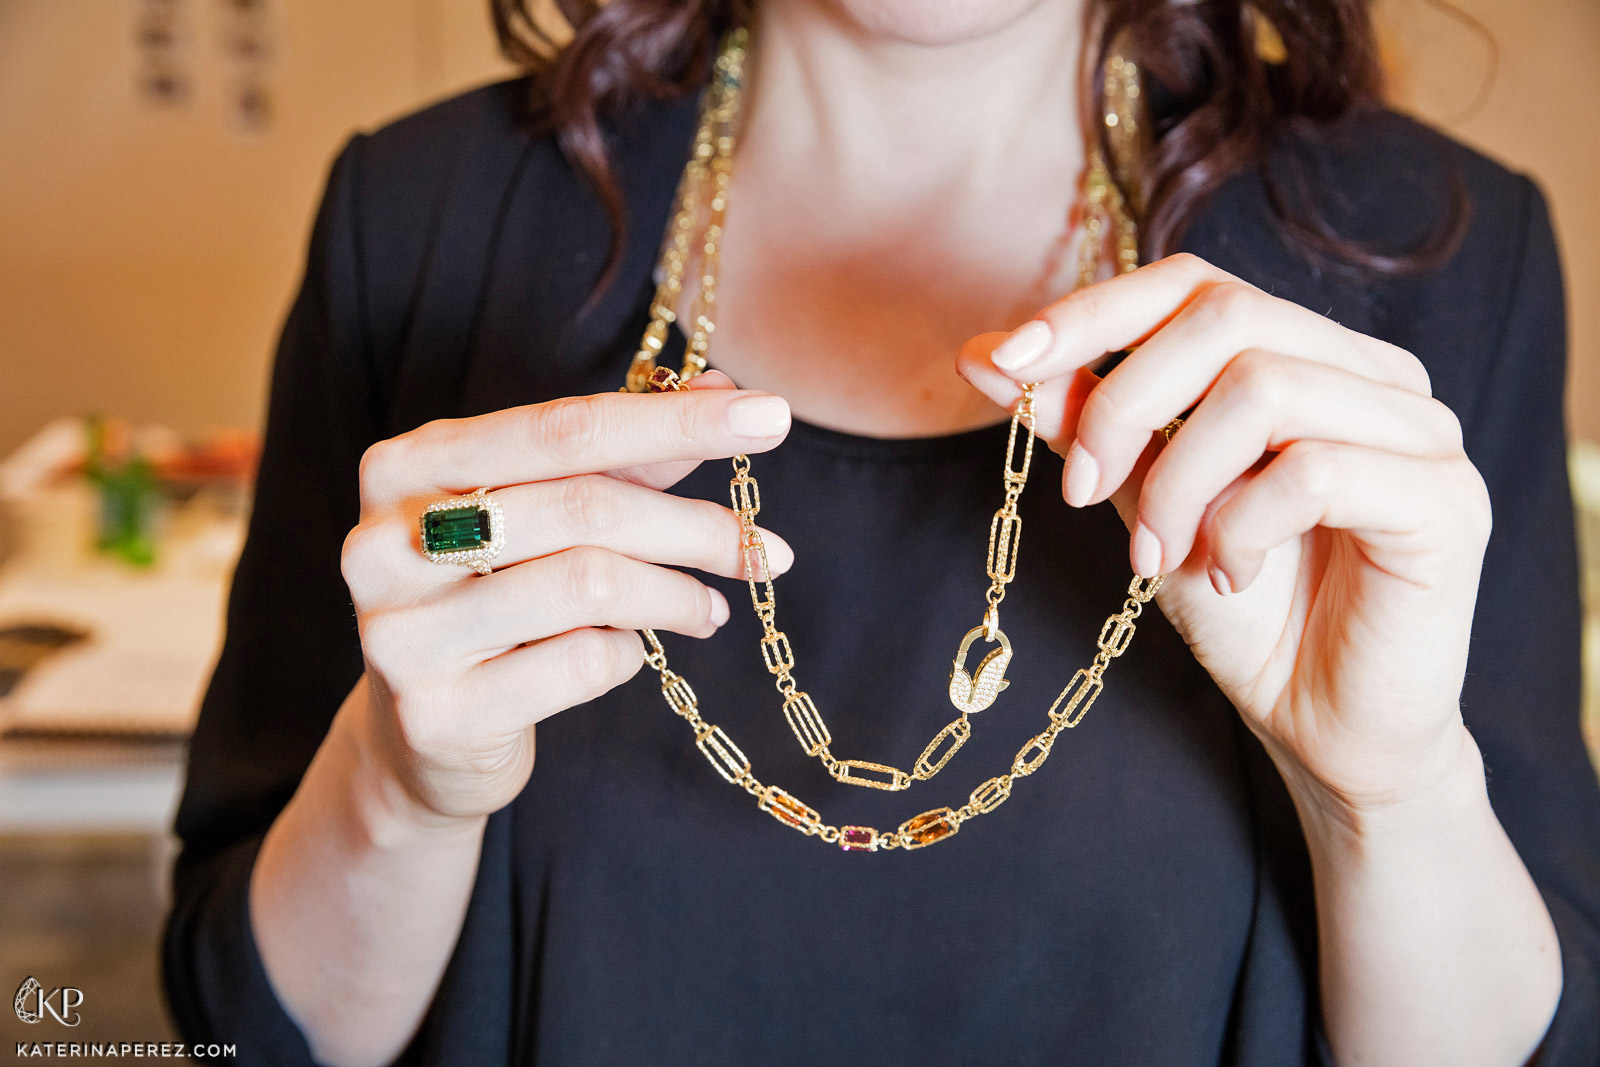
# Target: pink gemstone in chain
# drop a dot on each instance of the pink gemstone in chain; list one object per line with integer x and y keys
{"x": 858, "y": 839}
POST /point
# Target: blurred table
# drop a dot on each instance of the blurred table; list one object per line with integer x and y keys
{"x": 92, "y": 738}
{"x": 66, "y": 791}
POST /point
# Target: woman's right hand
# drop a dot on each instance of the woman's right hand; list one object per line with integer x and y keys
{"x": 460, "y": 667}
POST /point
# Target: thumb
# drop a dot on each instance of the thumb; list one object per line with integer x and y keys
{"x": 711, "y": 379}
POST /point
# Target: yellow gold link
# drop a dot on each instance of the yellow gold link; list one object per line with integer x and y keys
{"x": 676, "y": 689}
{"x": 954, "y": 735}
{"x": 1116, "y": 635}
{"x": 806, "y": 722}
{"x": 1013, "y": 472}
{"x": 756, "y": 567}
{"x": 724, "y": 755}
{"x": 990, "y": 795}
{"x": 1144, "y": 589}
{"x": 1076, "y": 698}
{"x": 657, "y": 656}
{"x": 871, "y": 775}
{"x": 765, "y": 599}
{"x": 1005, "y": 534}
{"x": 1033, "y": 754}
{"x": 746, "y": 496}
{"x": 776, "y": 653}
{"x": 790, "y": 810}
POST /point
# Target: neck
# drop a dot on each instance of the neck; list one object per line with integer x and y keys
{"x": 882, "y": 115}
{"x": 897, "y": 189}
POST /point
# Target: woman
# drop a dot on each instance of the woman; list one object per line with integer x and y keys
{"x": 1270, "y": 842}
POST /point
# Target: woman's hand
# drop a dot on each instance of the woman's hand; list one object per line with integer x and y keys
{"x": 461, "y": 667}
{"x": 1319, "y": 523}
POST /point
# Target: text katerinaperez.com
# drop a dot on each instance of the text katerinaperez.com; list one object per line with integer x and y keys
{"x": 176, "y": 1050}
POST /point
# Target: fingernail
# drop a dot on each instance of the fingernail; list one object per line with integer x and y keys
{"x": 1219, "y": 580}
{"x": 720, "y": 611}
{"x": 1083, "y": 476}
{"x": 1027, "y": 343}
{"x": 758, "y": 416}
{"x": 1146, "y": 552}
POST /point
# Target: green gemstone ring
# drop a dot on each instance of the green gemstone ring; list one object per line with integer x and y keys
{"x": 468, "y": 531}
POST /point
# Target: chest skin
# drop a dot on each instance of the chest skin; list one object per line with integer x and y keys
{"x": 852, "y": 301}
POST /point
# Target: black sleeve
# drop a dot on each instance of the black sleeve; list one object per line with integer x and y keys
{"x": 1523, "y": 689}
{"x": 291, "y": 652}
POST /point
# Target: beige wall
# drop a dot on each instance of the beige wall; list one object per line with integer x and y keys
{"x": 146, "y": 255}
{"x": 1538, "y": 113}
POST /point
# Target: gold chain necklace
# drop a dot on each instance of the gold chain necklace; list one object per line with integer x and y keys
{"x": 711, "y": 166}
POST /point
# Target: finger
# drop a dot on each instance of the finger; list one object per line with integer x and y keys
{"x": 667, "y": 473}
{"x": 554, "y": 674}
{"x": 1181, "y": 363}
{"x": 582, "y": 586}
{"x": 547, "y": 517}
{"x": 573, "y": 435}
{"x": 1055, "y": 402}
{"x": 1231, "y": 315}
{"x": 656, "y": 527}
{"x": 1261, "y": 403}
{"x": 1411, "y": 514}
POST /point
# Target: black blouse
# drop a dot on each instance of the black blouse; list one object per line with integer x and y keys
{"x": 1144, "y": 899}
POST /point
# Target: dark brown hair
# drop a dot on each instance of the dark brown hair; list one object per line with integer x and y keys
{"x": 1223, "y": 99}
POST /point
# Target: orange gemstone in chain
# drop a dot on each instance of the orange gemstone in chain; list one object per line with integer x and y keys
{"x": 930, "y": 827}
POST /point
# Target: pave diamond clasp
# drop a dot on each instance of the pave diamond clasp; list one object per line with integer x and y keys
{"x": 976, "y": 691}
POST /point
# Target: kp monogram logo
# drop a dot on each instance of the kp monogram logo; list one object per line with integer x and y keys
{"x": 32, "y": 1003}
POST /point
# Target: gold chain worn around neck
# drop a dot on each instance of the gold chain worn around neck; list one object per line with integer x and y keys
{"x": 710, "y": 169}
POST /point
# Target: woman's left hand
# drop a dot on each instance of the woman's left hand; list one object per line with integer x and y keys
{"x": 1319, "y": 523}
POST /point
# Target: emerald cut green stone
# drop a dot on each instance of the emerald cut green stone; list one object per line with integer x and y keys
{"x": 456, "y": 529}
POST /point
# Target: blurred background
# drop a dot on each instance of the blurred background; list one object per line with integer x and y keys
{"x": 159, "y": 164}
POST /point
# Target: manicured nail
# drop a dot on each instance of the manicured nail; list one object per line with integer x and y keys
{"x": 758, "y": 416}
{"x": 1146, "y": 552}
{"x": 1027, "y": 343}
{"x": 1083, "y": 476}
{"x": 1219, "y": 580}
{"x": 720, "y": 612}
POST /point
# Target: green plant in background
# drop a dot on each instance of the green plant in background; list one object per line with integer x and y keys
{"x": 129, "y": 498}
